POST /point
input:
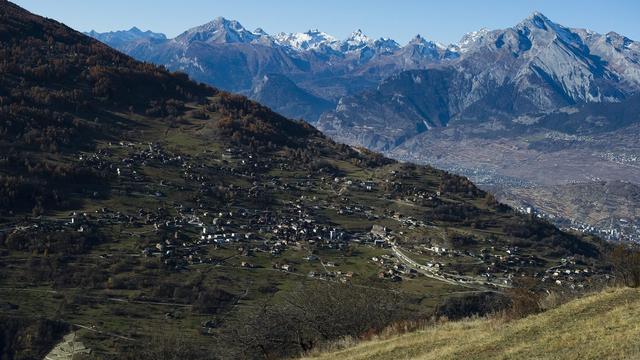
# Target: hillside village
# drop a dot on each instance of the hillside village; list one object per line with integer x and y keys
{"x": 191, "y": 232}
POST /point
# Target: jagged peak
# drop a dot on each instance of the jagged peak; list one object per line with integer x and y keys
{"x": 222, "y": 21}
{"x": 358, "y": 36}
{"x": 219, "y": 23}
{"x": 621, "y": 42}
{"x": 420, "y": 40}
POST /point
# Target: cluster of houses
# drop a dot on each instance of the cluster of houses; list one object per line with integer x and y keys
{"x": 183, "y": 235}
{"x": 571, "y": 274}
{"x": 392, "y": 269}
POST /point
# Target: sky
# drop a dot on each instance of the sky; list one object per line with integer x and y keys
{"x": 443, "y": 21}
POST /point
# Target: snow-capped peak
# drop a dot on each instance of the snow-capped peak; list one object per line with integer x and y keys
{"x": 358, "y": 36}
{"x": 309, "y": 40}
{"x": 357, "y": 40}
{"x": 469, "y": 39}
{"x": 386, "y": 45}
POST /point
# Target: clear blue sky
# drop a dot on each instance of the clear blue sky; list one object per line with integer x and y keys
{"x": 445, "y": 21}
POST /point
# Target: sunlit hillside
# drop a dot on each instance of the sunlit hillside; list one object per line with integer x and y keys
{"x": 601, "y": 326}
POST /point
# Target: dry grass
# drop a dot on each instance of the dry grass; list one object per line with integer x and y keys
{"x": 601, "y": 326}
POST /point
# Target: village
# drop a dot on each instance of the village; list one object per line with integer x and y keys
{"x": 299, "y": 233}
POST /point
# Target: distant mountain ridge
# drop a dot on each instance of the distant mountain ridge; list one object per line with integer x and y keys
{"x": 119, "y": 38}
{"x": 534, "y": 66}
{"x": 226, "y": 54}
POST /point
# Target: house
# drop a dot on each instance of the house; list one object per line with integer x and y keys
{"x": 380, "y": 243}
{"x": 287, "y": 268}
{"x": 378, "y": 230}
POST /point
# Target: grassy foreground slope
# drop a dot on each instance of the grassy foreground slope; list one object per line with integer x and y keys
{"x": 600, "y": 326}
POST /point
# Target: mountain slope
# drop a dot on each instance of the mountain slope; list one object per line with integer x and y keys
{"x": 605, "y": 321}
{"x": 402, "y": 107}
{"x": 284, "y": 97}
{"x": 143, "y": 208}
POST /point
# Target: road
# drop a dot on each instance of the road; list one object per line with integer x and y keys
{"x": 464, "y": 281}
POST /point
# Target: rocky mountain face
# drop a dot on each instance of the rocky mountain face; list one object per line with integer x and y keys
{"x": 384, "y": 118}
{"x": 287, "y": 98}
{"x": 532, "y": 69}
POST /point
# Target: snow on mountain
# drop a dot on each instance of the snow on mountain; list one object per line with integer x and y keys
{"x": 224, "y": 31}
{"x": 534, "y": 67}
{"x": 315, "y": 40}
{"x": 356, "y": 41}
{"x": 306, "y": 41}
{"x": 543, "y": 65}
{"x": 470, "y": 39}
{"x": 621, "y": 53}
{"x": 386, "y": 45}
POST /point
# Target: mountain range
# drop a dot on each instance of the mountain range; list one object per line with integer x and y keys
{"x": 512, "y": 76}
{"x": 535, "y": 66}
{"x": 225, "y": 54}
